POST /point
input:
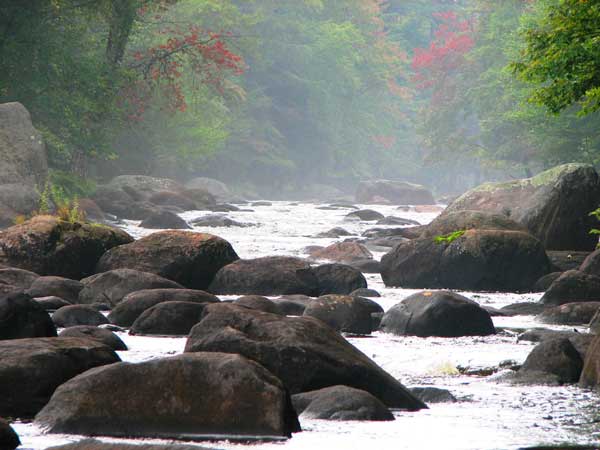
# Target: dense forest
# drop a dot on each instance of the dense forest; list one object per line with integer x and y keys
{"x": 273, "y": 96}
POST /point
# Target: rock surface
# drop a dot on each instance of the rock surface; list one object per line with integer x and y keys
{"x": 73, "y": 315}
{"x": 64, "y": 288}
{"x": 338, "y": 279}
{"x": 575, "y": 313}
{"x": 556, "y": 357}
{"x": 343, "y": 313}
{"x": 168, "y": 319}
{"x": 396, "y": 192}
{"x": 9, "y": 440}
{"x": 163, "y": 219}
{"x": 572, "y": 286}
{"x": 344, "y": 252}
{"x": 101, "y": 335}
{"x": 185, "y": 396}
{"x": 303, "y": 352}
{"x": 22, "y": 317}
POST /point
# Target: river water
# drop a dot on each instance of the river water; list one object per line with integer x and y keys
{"x": 490, "y": 413}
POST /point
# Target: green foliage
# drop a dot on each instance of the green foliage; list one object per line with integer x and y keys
{"x": 595, "y": 231}
{"x": 448, "y": 238}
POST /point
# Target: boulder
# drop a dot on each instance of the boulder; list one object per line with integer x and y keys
{"x": 22, "y": 153}
{"x": 430, "y": 394}
{"x": 135, "y": 303}
{"x": 189, "y": 258}
{"x": 591, "y": 264}
{"x": 555, "y": 357}
{"x": 16, "y": 201}
{"x": 334, "y": 233}
{"x": 9, "y": 440}
{"x": 201, "y": 197}
{"x": 127, "y": 205}
{"x": 73, "y": 315}
{"x": 479, "y": 260}
{"x": 590, "y": 374}
{"x": 101, "y": 335}
{"x": 522, "y": 309}
{"x": 342, "y": 252}
{"x": 449, "y": 222}
{"x": 51, "y": 303}
{"x": 169, "y": 198}
{"x": 396, "y": 192}
{"x": 576, "y": 313}
{"x": 259, "y": 303}
{"x": 340, "y": 403}
{"x": 554, "y": 205}
{"x": 567, "y": 260}
{"x": 437, "y": 313}
{"x": 365, "y": 214}
{"x": 269, "y": 275}
{"x": 217, "y": 189}
{"x": 392, "y": 220}
{"x": 92, "y": 212}
{"x": 292, "y": 305}
{"x": 93, "y": 444}
{"x": 182, "y": 397}
{"x": 343, "y": 313}
{"x": 145, "y": 186}
{"x": 48, "y": 245}
{"x": 163, "y": 219}
{"x": 366, "y": 265}
{"x": 595, "y": 323}
{"x": 216, "y": 220}
{"x": 19, "y": 278}
{"x": 223, "y": 207}
{"x": 365, "y": 292}
{"x": 64, "y": 288}
{"x": 22, "y": 317}
{"x": 112, "y": 286}
{"x": 303, "y": 352}
{"x": 544, "y": 283}
{"x": 31, "y": 369}
{"x": 572, "y": 286}
{"x": 168, "y": 319}
{"x": 338, "y": 279}
{"x": 581, "y": 341}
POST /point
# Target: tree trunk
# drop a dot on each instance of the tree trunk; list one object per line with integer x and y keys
{"x": 120, "y": 20}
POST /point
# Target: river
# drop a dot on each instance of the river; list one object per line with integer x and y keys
{"x": 490, "y": 413}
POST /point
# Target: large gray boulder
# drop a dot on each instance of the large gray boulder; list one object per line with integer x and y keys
{"x": 185, "y": 396}
{"x": 396, "y": 192}
{"x": 16, "y": 200}
{"x": 144, "y": 185}
{"x": 303, "y": 352}
{"x": 554, "y": 205}
{"x": 216, "y": 188}
{"x": 22, "y": 153}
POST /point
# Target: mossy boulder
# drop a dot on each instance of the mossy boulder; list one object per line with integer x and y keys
{"x": 553, "y": 205}
{"x": 48, "y": 245}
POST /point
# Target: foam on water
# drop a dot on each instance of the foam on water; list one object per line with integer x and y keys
{"x": 491, "y": 414}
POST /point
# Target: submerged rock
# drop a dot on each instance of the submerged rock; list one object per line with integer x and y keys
{"x": 557, "y": 358}
{"x": 340, "y": 403}
{"x": 430, "y": 394}
{"x": 183, "y": 397}
{"x": 437, "y": 313}
{"x": 303, "y": 352}
{"x": 365, "y": 214}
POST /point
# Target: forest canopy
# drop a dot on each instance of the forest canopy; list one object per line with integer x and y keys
{"x": 275, "y": 95}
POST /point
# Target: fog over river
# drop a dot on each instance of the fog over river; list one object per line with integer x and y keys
{"x": 490, "y": 413}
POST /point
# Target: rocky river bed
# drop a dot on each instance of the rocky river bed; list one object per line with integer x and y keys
{"x": 490, "y": 413}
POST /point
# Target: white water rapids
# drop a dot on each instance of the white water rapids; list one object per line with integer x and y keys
{"x": 490, "y": 414}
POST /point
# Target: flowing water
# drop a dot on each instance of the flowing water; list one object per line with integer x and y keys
{"x": 490, "y": 413}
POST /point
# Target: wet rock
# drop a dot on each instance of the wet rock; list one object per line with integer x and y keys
{"x": 217, "y": 189}
{"x": 51, "y": 303}
{"x": 19, "y": 278}
{"x": 555, "y": 357}
{"x": 343, "y": 313}
{"x": 546, "y": 281}
{"x": 163, "y": 219}
{"x": 9, "y": 440}
{"x": 479, "y": 260}
{"x": 572, "y": 286}
{"x": 383, "y": 244}
{"x": 438, "y": 313}
{"x": 259, "y": 303}
{"x": 591, "y": 264}
{"x": 338, "y": 279}
{"x": 429, "y": 394}
{"x": 576, "y": 313}
{"x": 64, "y": 288}
{"x": 22, "y": 317}
{"x": 145, "y": 185}
{"x": 112, "y": 286}
{"x": 92, "y": 444}
{"x": 303, "y": 352}
{"x": 92, "y": 212}
{"x": 201, "y": 197}
{"x": 216, "y": 220}
{"x": 522, "y": 309}
{"x": 31, "y": 369}
{"x": 189, "y": 258}
{"x": 47, "y": 245}
{"x": 170, "y": 198}
{"x": 261, "y": 203}
{"x": 334, "y": 233}
{"x": 595, "y": 323}
{"x": 72, "y": 315}
{"x": 135, "y": 303}
{"x": 222, "y": 207}
{"x": 581, "y": 341}
{"x": 185, "y": 396}
{"x": 554, "y": 205}
{"x": 567, "y": 259}
{"x": 340, "y": 403}
{"x": 395, "y": 192}
{"x": 380, "y": 233}
{"x": 168, "y": 319}
{"x": 269, "y": 275}
{"x": 365, "y": 292}
{"x": 449, "y": 222}
{"x": 366, "y": 265}
{"x": 365, "y": 214}
{"x": 590, "y": 375}
{"x": 292, "y": 305}
{"x": 391, "y": 220}
{"x": 101, "y": 335}
{"x": 342, "y": 252}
